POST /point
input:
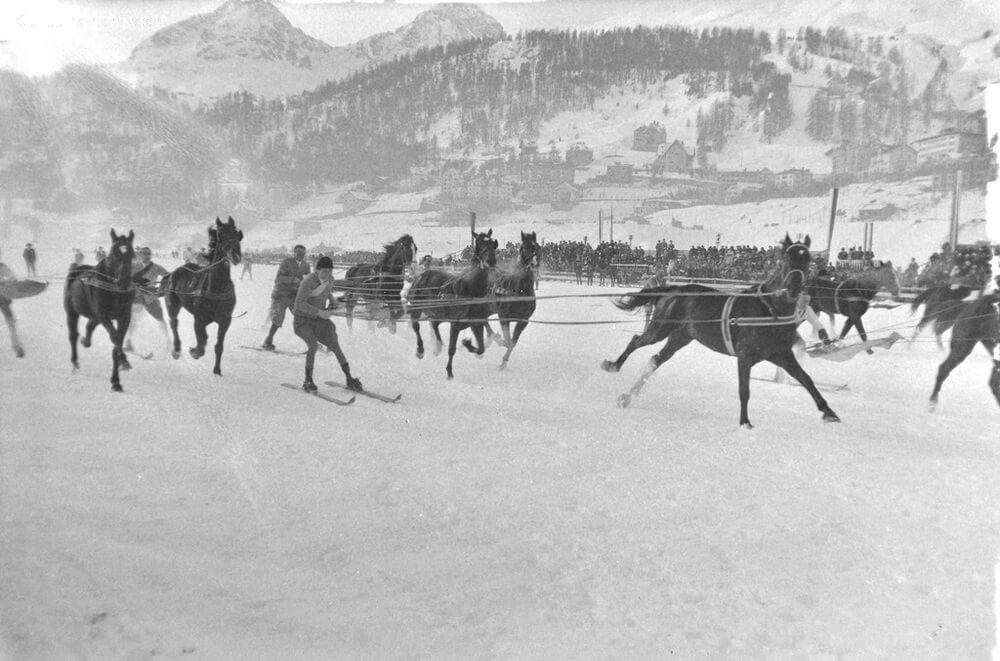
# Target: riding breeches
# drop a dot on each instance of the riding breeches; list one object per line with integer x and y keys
{"x": 315, "y": 332}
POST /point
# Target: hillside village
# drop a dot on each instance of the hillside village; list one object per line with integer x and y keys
{"x": 814, "y": 112}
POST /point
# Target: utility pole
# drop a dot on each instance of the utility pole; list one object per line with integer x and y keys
{"x": 956, "y": 200}
{"x": 833, "y": 219}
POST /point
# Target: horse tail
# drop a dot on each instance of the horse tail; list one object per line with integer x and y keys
{"x": 642, "y": 297}
{"x": 921, "y": 298}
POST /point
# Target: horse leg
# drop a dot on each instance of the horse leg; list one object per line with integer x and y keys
{"x": 89, "y": 333}
{"x": 654, "y": 333}
{"x": 675, "y": 342}
{"x": 456, "y": 328}
{"x": 172, "y": 310}
{"x": 117, "y": 355}
{"x": 220, "y": 341}
{"x": 200, "y": 338}
{"x": 15, "y": 341}
{"x": 477, "y": 333}
{"x": 788, "y": 362}
{"x": 349, "y": 311}
{"x": 847, "y": 327}
{"x": 518, "y": 329}
{"x": 960, "y": 349}
{"x": 72, "y": 319}
{"x": 438, "y": 342}
{"x": 864, "y": 336}
{"x": 994, "y": 381}
{"x": 490, "y": 335}
{"x": 415, "y": 325}
{"x": 743, "y": 366}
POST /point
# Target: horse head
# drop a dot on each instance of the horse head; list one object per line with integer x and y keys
{"x": 485, "y": 248}
{"x": 888, "y": 278}
{"x": 795, "y": 265}
{"x": 530, "y": 251}
{"x": 401, "y": 252}
{"x": 118, "y": 263}
{"x": 224, "y": 241}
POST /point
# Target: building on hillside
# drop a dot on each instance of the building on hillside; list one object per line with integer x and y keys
{"x": 676, "y": 158}
{"x": 528, "y": 150}
{"x": 579, "y": 155}
{"x": 649, "y": 137}
{"x": 566, "y": 196}
{"x": 976, "y": 171}
{"x": 763, "y": 177}
{"x": 620, "y": 173}
{"x": 954, "y": 145}
{"x": 892, "y": 160}
{"x": 736, "y": 191}
{"x": 540, "y": 178}
{"x": 793, "y": 178}
{"x": 852, "y": 159}
{"x": 356, "y": 201}
{"x": 489, "y": 187}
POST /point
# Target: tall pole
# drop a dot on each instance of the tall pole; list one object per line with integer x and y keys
{"x": 472, "y": 226}
{"x": 955, "y": 206}
{"x": 833, "y": 219}
{"x": 600, "y": 226}
{"x": 611, "y": 226}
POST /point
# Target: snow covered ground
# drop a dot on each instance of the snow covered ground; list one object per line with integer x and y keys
{"x": 515, "y": 514}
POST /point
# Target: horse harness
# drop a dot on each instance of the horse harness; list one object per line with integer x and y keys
{"x": 728, "y": 321}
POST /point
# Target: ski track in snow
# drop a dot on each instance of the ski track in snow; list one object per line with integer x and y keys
{"x": 503, "y": 514}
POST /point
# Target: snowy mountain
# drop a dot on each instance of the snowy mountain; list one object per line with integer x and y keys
{"x": 251, "y": 45}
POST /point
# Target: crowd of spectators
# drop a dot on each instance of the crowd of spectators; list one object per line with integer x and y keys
{"x": 964, "y": 265}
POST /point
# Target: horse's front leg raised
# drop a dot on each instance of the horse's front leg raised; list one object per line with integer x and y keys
{"x": 512, "y": 342}
{"x": 88, "y": 332}
{"x": 790, "y": 364}
{"x": 654, "y": 333}
{"x": 477, "y": 332}
{"x": 220, "y": 340}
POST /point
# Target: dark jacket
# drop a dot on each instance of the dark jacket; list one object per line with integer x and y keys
{"x": 290, "y": 274}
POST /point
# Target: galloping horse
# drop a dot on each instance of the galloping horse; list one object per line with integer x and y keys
{"x": 754, "y": 325}
{"x": 978, "y": 321}
{"x": 942, "y": 306}
{"x": 381, "y": 281}
{"x": 457, "y": 299}
{"x": 852, "y": 297}
{"x": 207, "y": 292}
{"x": 519, "y": 285}
{"x": 103, "y": 294}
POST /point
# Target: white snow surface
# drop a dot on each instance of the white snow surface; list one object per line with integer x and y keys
{"x": 499, "y": 515}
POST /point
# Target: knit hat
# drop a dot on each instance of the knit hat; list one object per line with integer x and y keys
{"x": 324, "y": 262}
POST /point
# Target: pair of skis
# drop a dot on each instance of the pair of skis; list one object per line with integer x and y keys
{"x": 344, "y": 402}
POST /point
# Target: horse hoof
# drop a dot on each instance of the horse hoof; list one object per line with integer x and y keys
{"x": 420, "y": 354}
{"x": 85, "y": 343}
{"x": 608, "y": 366}
{"x": 117, "y": 387}
{"x": 503, "y": 365}
{"x": 624, "y": 400}
{"x": 450, "y": 376}
{"x": 175, "y": 354}
{"x": 196, "y": 354}
{"x": 125, "y": 366}
{"x": 19, "y": 352}
{"x": 217, "y": 372}
{"x": 831, "y": 417}
{"x": 746, "y": 425}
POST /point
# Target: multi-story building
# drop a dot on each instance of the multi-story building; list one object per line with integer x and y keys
{"x": 793, "y": 178}
{"x": 649, "y": 137}
{"x": 953, "y": 144}
{"x": 676, "y": 158}
{"x": 895, "y": 159}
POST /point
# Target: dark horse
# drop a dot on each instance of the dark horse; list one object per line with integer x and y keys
{"x": 942, "y": 306}
{"x": 852, "y": 297}
{"x": 754, "y": 325}
{"x": 207, "y": 292}
{"x": 514, "y": 295}
{"x": 458, "y": 299}
{"x": 103, "y": 294}
{"x": 381, "y": 282}
{"x": 978, "y": 321}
